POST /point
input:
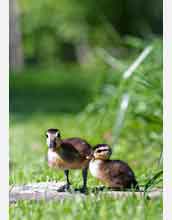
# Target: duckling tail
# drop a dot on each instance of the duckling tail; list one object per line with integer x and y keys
{"x": 135, "y": 185}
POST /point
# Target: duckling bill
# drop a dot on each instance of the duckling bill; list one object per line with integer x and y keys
{"x": 113, "y": 173}
{"x": 66, "y": 154}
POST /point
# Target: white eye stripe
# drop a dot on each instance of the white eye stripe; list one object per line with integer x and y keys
{"x": 52, "y": 135}
{"x": 57, "y": 134}
{"x": 103, "y": 148}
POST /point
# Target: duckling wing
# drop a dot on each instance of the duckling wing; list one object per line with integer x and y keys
{"x": 119, "y": 169}
{"x": 122, "y": 174}
{"x": 77, "y": 145}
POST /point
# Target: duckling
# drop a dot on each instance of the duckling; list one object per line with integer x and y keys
{"x": 70, "y": 153}
{"x": 114, "y": 173}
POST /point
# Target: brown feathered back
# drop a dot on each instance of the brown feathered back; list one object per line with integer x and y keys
{"x": 117, "y": 174}
{"x": 77, "y": 144}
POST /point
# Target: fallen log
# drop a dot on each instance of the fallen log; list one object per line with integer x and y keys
{"x": 55, "y": 191}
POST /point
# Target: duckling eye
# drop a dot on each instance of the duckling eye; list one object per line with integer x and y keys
{"x": 99, "y": 151}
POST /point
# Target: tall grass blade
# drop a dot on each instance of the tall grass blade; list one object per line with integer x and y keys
{"x": 154, "y": 180}
{"x": 123, "y": 106}
{"x": 137, "y": 62}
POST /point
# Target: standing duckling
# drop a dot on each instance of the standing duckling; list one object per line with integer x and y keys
{"x": 70, "y": 153}
{"x": 114, "y": 173}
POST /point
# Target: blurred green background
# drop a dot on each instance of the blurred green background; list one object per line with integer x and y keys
{"x": 67, "y": 64}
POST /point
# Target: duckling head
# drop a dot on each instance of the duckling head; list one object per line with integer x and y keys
{"x": 102, "y": 152}
{"x": 53, "y": 138}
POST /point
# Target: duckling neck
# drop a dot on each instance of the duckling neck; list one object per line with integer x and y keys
{"x": 95, "y": 167}
{"x": 57, "y": 148}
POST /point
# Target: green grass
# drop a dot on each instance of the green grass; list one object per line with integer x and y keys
{"x": 85, "y": 103}
{"x": 100, "y": 208}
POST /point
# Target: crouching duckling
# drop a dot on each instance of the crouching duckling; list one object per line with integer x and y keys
{"x": 113, "y": 173}
{"x": 70, "y": 153}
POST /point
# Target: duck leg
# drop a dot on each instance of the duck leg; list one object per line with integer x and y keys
{"x": 67, "y": 186}
{"x": 84, "y": 176}
{"x": 66, "y": 172}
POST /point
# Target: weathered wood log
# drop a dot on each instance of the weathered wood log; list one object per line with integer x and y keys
{"x": 55, "y": 191}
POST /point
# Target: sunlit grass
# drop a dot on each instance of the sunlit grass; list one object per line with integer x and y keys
{"x": 86, "y": 104}
{"x": 100, "y": 208}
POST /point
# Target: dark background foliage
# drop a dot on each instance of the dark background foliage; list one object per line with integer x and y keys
{"x": 55, "y": 31}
